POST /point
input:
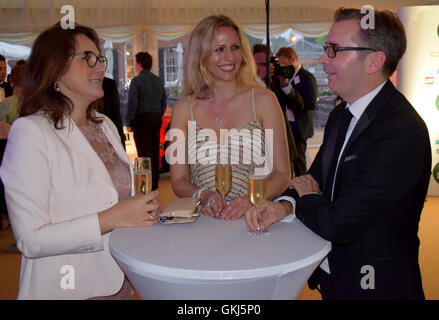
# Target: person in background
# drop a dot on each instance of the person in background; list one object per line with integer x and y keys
{"x": 111, "y": 106}
{"x": 5, "y": 87}
{"x": 366, "y": 188}
{"x": 300, "y": 120}
{"x": 68, "y": 180}
{"x": 288, "y": 98}
{"x": 10, "y": 107}
{"x": 146, "y": 106}
{"x": 9, "y": 111}
{"x": 221, "y": 93}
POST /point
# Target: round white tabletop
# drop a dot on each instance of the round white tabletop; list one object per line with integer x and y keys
{"x": 218, "y": 259}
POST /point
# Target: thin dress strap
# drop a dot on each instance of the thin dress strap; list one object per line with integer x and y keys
{"x": 191, "y": 100}
{"x": 253, "y": 104}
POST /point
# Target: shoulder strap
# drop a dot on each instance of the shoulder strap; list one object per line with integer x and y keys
{"x": 253, "y": 103}
{"x": 191, "y": 101}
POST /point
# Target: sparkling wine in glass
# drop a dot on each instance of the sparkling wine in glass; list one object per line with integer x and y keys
{"x": 223, "y": 180}
{"x": 257, "y": 191}
{"x": 142, "y": 175}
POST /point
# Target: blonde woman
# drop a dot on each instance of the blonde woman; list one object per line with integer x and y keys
{"x": 220, "y": 93}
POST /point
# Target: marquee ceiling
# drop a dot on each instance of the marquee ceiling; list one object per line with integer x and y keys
{"x": 18, "y": 16}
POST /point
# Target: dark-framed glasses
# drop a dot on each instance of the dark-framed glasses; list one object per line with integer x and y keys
{"x": 331, "y": 51}
{"x": 92, "y": 59}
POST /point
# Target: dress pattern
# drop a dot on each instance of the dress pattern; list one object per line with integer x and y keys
{"x": 118, "y": 170}
{"x": 243, "y": 146}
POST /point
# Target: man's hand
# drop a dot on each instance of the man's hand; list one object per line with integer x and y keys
{"x": 305, "y": 184}
{"x": 129, "y": 129}
{"x": 270, "y": 213}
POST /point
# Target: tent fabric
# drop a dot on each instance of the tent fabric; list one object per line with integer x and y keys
{"x": 119, "y": 20}
{"x": 145, "y": 22}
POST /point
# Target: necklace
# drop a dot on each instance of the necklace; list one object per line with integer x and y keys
{"x": 219, "y": 117}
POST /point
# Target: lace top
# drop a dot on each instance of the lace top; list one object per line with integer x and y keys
{"x": 244, "y": 146}
{"x": 118, "y": 169}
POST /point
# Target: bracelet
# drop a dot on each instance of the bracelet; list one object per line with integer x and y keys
{"x": 197, "y": 194}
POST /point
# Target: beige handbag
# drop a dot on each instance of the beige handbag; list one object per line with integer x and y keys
{"x": 182, "y": 210}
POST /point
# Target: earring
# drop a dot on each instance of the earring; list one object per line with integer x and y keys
{"x": 57, "y": 86}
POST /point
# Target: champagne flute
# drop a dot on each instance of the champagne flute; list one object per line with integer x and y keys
{"x": 257, "y": 191}
{"x": 142, "y": 175}
{"x": 223, "y": 181}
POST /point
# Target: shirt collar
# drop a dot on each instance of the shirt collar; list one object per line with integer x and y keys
{"x": 359, "y": 105}
{"x": 297, "y": 71}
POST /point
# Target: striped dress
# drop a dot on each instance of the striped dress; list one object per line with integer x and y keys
{"x": 245, "y": 145}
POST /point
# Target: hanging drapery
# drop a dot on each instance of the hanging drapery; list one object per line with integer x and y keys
{"x": 26, "y": 18}
{"x": 121, "y": 20}
{"x": 145, "y": 22}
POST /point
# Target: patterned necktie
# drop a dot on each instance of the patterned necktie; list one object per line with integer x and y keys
{"x": 343, "y": 126}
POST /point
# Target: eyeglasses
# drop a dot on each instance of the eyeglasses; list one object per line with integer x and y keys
{"x": 331, "y": 51}
{"x": 92, "y": 59}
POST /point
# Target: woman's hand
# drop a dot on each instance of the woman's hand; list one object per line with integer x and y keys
{"x": 134, "y": 211}
{"x": 237, "y": 208}
{"x": 211, "y": 203}
{"x": 270, "y": 213}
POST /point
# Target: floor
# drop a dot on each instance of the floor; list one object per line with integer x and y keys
{"x": 428, "y": 234}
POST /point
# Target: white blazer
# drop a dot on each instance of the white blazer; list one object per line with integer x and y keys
{"x": 55, "y": 185}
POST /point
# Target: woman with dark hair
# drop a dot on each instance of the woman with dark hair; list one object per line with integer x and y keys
{"x": 67, "y": 178}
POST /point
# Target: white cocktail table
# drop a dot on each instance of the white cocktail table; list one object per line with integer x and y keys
{"x": 218, "y": 259}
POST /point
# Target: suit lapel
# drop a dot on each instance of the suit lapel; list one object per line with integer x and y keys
{"x": 79, "y": 145}
{"x": 331, "y": 132}
{"x": 366, "y": 119}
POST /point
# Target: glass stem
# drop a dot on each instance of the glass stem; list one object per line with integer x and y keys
{"x": 259, "y": 220}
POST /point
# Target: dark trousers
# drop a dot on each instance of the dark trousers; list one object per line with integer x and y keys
{"x": 3, "y": 207}
{"x": 326, "y": 286}
{"x": 300, "y": 160}
{"x": 146, "y": 132}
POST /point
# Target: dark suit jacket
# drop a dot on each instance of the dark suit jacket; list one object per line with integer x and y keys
{"x": 147, "y": 94}
{"x": 293, "y": 101}
{"x": 111, "y": 107}
{"x": 379, "y": 194}
{"x": 7, "y": 87}
{"x": 307, "y": 89}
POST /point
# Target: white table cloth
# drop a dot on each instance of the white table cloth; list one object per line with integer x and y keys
{"x": 218, "y": 259}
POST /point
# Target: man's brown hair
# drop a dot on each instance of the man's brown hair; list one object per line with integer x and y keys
{"x": 388, "y": 35}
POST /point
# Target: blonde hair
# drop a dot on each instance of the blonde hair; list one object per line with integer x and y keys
{"x": 197, "y": 79}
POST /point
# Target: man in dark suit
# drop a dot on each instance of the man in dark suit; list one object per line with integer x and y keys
{"x": 366, "y": 188}
{"x": 146, "y": 106}
{"x": 5, "y": 87}
{"x": 111, "y": 106}
{"x": 300, "y": 120}
{"x": 287, "y": 100}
